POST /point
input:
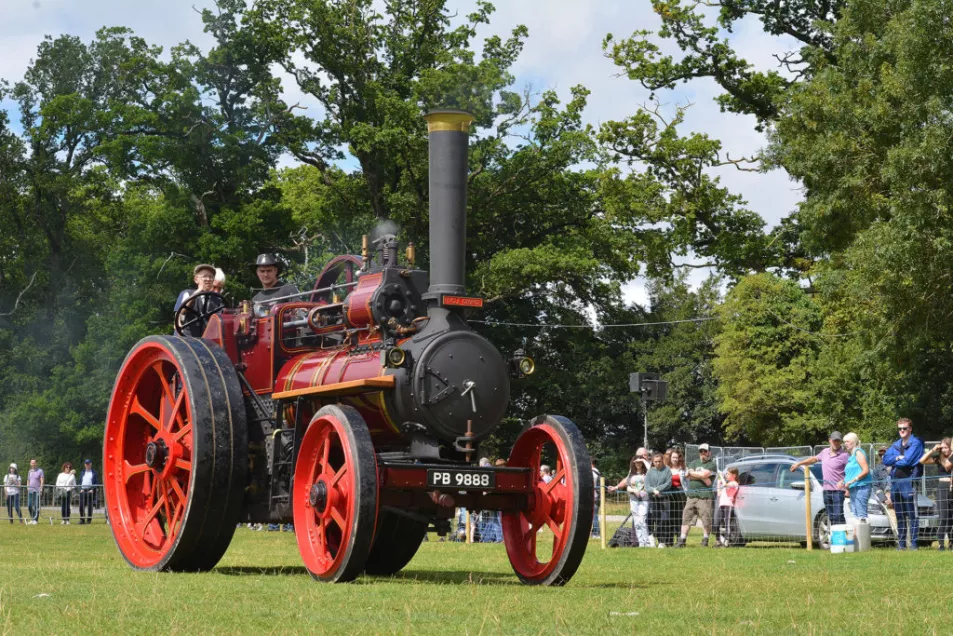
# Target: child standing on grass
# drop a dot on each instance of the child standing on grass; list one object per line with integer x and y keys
{"x": 727, "y": 493}
{"x": 634, "y": 484}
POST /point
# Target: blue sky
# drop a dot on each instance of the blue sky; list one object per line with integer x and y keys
{"x": 564, "y": 49}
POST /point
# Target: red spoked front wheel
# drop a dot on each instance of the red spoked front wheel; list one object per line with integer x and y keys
{"x": 335, "y": 494}
{"x": 561, "y": 509}
{"x": 174, "y": 454}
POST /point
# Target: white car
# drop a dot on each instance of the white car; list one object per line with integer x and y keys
{"x": 770, "y": 505}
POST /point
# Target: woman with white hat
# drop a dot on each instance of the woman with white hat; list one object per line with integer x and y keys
{"x": 11, "y": 488}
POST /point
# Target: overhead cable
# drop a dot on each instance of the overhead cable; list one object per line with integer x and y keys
{"x": 493, "y": 323}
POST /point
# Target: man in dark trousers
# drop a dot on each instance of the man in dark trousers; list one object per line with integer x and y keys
{"x": 903, "y": 457}
{"x": 596, "y": 491}
{"x": 833, "y": 461}
{"x": 272, "y": 289}
{"x": 88, "y": 482}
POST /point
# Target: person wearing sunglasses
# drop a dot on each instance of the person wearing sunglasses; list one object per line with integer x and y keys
{"x": 903, "y": 458}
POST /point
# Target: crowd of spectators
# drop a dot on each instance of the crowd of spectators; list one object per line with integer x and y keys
{"x": 662, "y": 490}
{"x": 667, "y": 497}
{"x": 86, "y": 485}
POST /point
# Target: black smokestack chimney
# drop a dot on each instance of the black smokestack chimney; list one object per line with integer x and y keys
{"x": 449, "y": 138}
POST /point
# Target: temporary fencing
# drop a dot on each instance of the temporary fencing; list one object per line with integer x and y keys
{"x": 775, "y": 505}
{"x": 48, "y": 505}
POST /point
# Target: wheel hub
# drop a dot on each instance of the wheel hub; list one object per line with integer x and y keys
{"x": 156, "y": 454}
{"x": 162, "y": 452}
{"x": 319, "y": 496}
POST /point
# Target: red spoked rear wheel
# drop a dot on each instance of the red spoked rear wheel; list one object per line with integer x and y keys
{"x": 174, "y": 454}
{"x": 562, "y": 508}
{"x": 339, "y": 270}
{"x": 335, "y": 494}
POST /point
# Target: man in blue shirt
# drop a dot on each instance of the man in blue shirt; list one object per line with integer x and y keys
{"x": 903, "y": 457}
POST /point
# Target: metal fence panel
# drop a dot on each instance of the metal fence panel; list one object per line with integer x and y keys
{"x": 50, "y": 504}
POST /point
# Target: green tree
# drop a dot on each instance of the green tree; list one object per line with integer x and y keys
{"x": 683, "y": 354}
{"x": 706, "y": 52}
{"x": 870, "y": 139}
{"x": 764, "y": 357}
{"x": 129, "y": 169}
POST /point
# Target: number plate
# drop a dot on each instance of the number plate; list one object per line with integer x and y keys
{"x": 461, "y": 478}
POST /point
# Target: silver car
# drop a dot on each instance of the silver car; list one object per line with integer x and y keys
{"x": 770, "y": 505}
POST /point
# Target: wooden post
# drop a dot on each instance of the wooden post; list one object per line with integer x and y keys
{"x": 468, "y": 528}
{"x": 808, "y": 521}
{"x": 602, "y": 511}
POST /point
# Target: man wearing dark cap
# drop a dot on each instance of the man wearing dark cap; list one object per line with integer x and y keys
{"x": 87, "y": 492}
{"x": 272, "y": 289}
{"x": 833, "y": 461}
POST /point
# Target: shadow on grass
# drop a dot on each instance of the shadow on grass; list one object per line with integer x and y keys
{"x": 460, "y": 577}
{"x": 454, "y": 577}
{"x": 283, "y": 570}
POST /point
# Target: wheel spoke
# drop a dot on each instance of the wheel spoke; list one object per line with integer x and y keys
{"x": 147, "y": 480}
{"x": 176, "y": 518}
{"x": 131, "y": 470}
{"x": 556, "y": 530}
{"x": 138, "y": 409}
{"x": 151, "y": 514}
{"x": 322, "y": 454}
{"x": 177, "y": 489}
{"x": 175, "y": 414}
{"x": 326, "y": 450}
{"x": 529, "y": 535}
{"x": 168, "y": 512}
{"x": 184, "y": 465}
{"x": 535, "y": 461}
{"x": 154, "y": 488}
{"x": 338, "y": 475}
{"x": 182, "y": 432}
{"x": 338, "y": 518}
{"x": 555, "y": 481}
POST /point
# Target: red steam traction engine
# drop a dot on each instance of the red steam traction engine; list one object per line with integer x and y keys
{"x": 354, "y": 410}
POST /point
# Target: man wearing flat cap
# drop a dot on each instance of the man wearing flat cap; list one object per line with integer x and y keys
{"x": 833, "y": 462}
{"x": 272, "y": 289}
{"x": 204, "y": 277}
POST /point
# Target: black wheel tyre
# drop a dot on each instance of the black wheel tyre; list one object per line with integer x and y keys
{"x": 178, "y": 514}
{"x": 396, "y": 542}
{"x": 822, "y": 531}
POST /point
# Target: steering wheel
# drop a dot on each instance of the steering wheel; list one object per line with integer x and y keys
{"x": 192, "y": 322}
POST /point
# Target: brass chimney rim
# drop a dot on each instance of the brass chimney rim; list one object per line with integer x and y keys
{"x": 449, "y": 119}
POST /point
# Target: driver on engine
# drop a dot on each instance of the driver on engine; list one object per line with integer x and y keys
{"x": 267, "y": 268}
{"x": 198, "y": 305}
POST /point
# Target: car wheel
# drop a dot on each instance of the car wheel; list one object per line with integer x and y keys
{"x": 822, "y": 531}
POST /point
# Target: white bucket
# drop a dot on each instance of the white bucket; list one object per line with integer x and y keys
{"x": 842, "y": 538}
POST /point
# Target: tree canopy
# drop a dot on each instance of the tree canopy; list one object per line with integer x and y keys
{"x": 122, "y": 165}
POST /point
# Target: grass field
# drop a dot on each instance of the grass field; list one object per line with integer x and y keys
{"x": 56, "y": 579}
